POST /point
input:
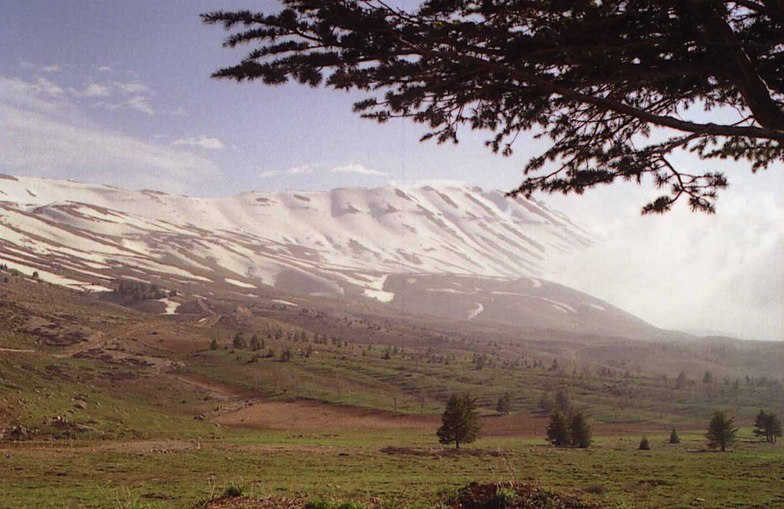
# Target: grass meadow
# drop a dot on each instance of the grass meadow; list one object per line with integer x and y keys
{"x": 402, "y": 468}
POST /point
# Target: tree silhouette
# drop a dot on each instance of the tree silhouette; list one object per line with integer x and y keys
{"x": 721, "y": 431}
{"x": 767, "y": 426}
{"x": 558, "y": 430}
{"x": 580, "y": 431}
{"x": 460, "y": 421}
{"x": 617, "y": 86}
{"x": 572, "y": 429}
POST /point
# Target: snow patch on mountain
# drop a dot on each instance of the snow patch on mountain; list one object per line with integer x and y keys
{"x": 326, "y": 238}
{"x": 476, "y": 311}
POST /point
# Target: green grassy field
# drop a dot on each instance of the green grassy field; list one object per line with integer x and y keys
{"x": 353, "y": 466}
{"x": 140, "y": 412}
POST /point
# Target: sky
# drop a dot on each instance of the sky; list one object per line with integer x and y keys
{"x": 119, "y": 93}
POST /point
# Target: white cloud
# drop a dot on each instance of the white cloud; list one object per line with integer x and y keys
{"x": 116, "y": 95}
{"x": 299, "y": 170}
{"x": 105, "y": 68}
{"x": 48, "y": 88}
{"x": 140, "y": 104}
{"x": 51, "y": 68}
{"x": 95, "y": 90}
{"x": 296, "y": 170}
{"x": 45, "y": 134}
{"x": 201, "y": 142}
{"x": 723, "y": 272}
{"x": 358, "y": 169}
{"x": 133, "y": 87}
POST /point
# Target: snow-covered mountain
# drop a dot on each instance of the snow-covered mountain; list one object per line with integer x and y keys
{"x": 358, "y": 243}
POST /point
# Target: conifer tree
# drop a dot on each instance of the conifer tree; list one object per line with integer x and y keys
{"x": 239, "y": 341}
{"x": 674, "y": 438}
{"x": 460, "y": 420}
{"x": 767, "y": 426}
{"x": 558, "y": 431}
{"x": 721, "y": 431}
{"x": 580, "y": 431}
{"x": 595, "y": 78}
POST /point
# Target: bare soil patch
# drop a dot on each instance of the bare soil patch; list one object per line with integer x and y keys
{"x": 315, "y": 415}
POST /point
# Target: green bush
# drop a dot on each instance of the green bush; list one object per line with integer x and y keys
{"x": 232, "y": 491}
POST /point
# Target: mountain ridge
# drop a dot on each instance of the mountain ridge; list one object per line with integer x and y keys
{"x": 391, "y": 245}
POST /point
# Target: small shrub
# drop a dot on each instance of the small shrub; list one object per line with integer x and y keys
{"x": 232, "y": 491}
{"x": 674, "y": 438}
{"x": 644, "y": 445}
{"x": 595, "y": 488}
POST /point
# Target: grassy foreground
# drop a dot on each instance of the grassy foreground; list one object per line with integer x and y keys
{"x": 401, "y": 468}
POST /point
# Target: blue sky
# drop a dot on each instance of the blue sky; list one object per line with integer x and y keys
{"x": 258, "y": 137}
{"x": 119, "y": 92}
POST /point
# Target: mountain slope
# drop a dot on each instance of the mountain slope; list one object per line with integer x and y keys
{"x": 387, "y": 244}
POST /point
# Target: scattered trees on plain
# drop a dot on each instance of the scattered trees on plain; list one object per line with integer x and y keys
{"x": 460, "y": 420}
{"x": 767, "y": 426}
{"x": 569, "y": 430}
{"x": 239, "y": 341}
{"x": 721, "y": 431}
